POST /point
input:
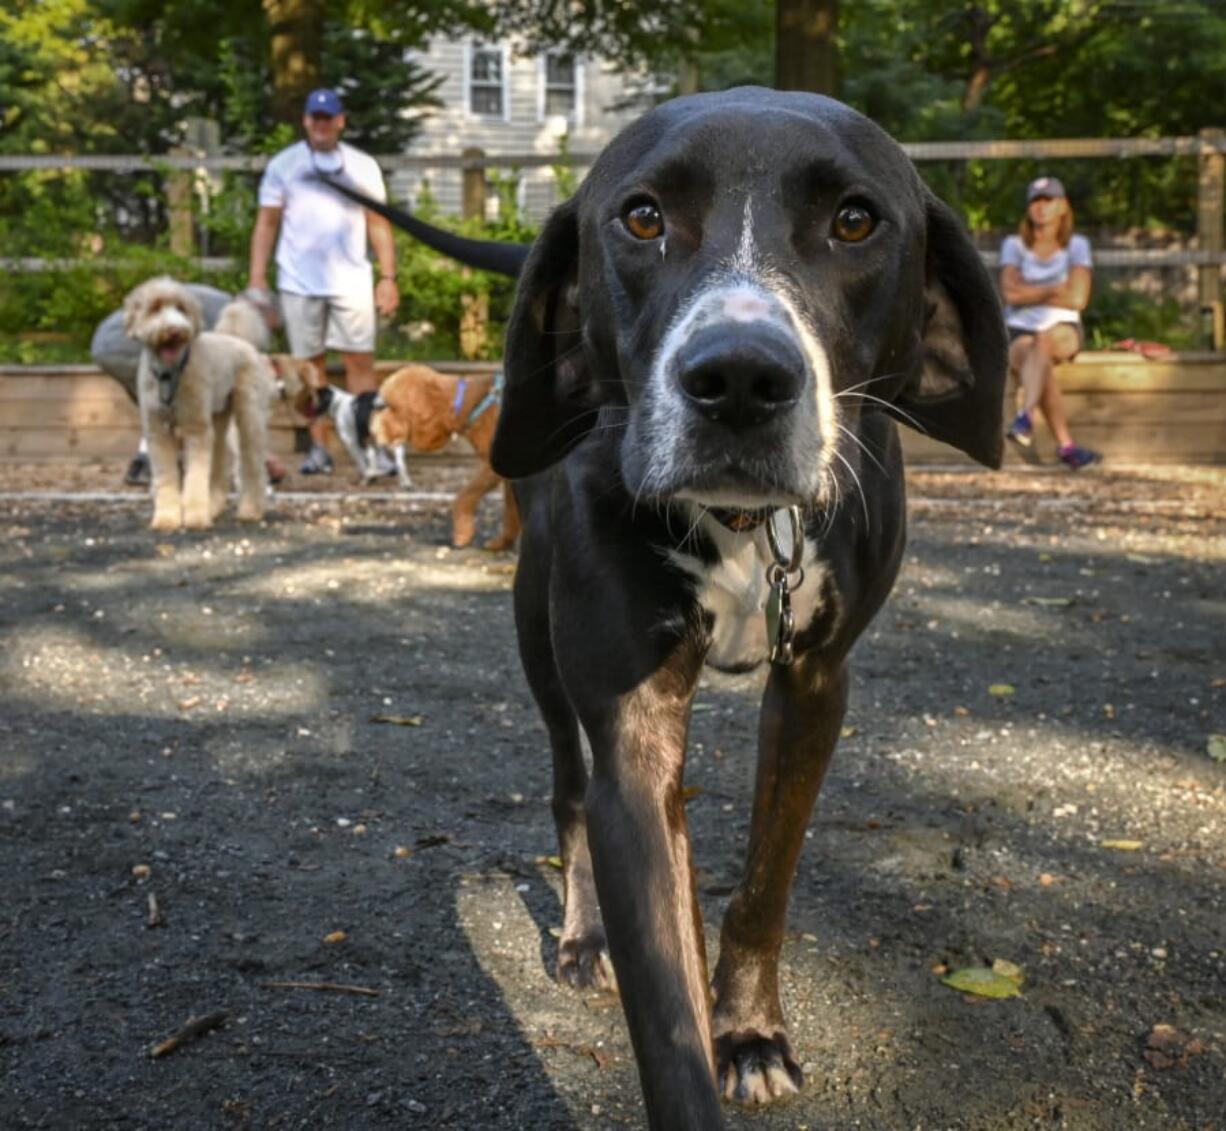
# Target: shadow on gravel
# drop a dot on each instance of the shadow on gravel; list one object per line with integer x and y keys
{"x": 205, "y": 707}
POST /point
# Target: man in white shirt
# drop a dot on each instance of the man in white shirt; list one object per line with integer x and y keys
{"x": 323, "y": 272}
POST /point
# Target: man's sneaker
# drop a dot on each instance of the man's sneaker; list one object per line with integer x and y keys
{"x": 1021, "y": 431}
{"x": 1075, "y": 458}
{"x": 318, "y": 462}
{"x": 138, "y": 473}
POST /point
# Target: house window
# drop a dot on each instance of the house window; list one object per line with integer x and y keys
{"x": 561, "y": 86}
{"x": 485, "y": 82}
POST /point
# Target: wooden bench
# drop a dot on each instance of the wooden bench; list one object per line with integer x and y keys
{"x": 1132, "y": 410}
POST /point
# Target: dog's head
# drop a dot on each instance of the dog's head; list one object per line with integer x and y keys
{"x": 165, "y": 316}
{"x": 296, "y": 378}
{"x": 739, "y": 278}
{"x": 303, "y": 384}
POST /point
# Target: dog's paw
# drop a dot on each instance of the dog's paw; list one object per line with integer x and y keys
{"x": 194, "y": 519}
{"x": 165, "y": 520}
{"x": 217, "y": 504}
{"x": 502, "y": 542}
{"x": 584, "y": 964}
{"x": 753, "y": 1069}
{"x": 250, "y": 511}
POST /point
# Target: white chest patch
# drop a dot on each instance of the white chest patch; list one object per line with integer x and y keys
{"x": 735, "y": 591}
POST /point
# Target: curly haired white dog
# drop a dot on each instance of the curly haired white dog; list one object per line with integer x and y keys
{"x": 190, "y": 384}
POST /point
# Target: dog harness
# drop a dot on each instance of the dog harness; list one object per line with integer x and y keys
{"x": 493, "y": 397}
{"x": 168, "y": 379}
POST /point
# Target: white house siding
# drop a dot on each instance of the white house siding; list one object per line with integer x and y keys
{"x": 522, "y": 130}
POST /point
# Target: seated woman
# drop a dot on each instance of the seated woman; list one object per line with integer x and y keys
{"x": 1045, "y": 280}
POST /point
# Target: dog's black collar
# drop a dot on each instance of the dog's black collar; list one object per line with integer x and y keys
{"x": 168, "y": 379}
{"x": 739, "y": 520}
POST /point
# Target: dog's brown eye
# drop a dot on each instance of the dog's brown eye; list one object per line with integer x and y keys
{"x": 853, "y": 223}
{"x": 644, "y": 222}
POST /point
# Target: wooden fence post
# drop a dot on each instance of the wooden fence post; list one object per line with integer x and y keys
{"x": 1210, "y": 202}
{"x": 474, "y": 187}
{"x": 179, "y": 205}
{"x": 474, "y": 309}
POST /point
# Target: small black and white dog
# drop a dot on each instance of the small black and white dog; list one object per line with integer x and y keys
{"x": 350, "y": 414}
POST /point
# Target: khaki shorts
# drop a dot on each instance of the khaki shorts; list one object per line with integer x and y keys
{"x": 314, "y": 325}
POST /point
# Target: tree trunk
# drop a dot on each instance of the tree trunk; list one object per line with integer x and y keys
{"x": 296, "y": 34}
{"x": 806, "y": 45}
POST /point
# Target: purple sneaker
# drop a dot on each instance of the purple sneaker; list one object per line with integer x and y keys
{"x": 1075, "y": 458}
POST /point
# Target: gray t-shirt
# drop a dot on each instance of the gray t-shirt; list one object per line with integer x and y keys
{"x": 117, "y": 354}
{"x": 1049, "y": 272}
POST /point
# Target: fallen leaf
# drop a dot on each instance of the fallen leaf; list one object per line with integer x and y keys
{"x": 690, "y": 792}
{"x": 400, "y": 852}
{"x": 1007, "y": 969}
{"x": 1048, "y": 602}
{"x": 1002, "y": 690}
{"x": 1216, "y": 747}
{"x": 1140, "y": 559}
{"x": 1167, "y": 1047}
{"x": 1123, "y": 845}
{"x": 848, "y": 731}
{"x": 981, "y": 982}
{"x": 188, "y": 704}
{"x": 1047, "y": 879}
{"x": 554, "y": 862}
{"x": 334, "y": 937}
{"x": 399, "y": 720}
{"x": 961, "y": 711}
{"x": 601, "y": 1057}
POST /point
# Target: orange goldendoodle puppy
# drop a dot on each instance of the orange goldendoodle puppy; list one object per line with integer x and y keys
{"x": 423, "y": 409}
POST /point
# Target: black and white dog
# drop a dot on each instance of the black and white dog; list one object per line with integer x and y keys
{"x": 710, "y": 345}
{"x": 350, "y": 414}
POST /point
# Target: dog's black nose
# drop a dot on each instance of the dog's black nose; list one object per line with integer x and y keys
{"x": 740, "y": 378}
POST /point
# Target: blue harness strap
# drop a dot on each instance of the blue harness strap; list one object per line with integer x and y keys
{"x": 493, "y": 397}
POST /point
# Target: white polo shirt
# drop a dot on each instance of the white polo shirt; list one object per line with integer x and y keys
{"x": 321, "y": 249}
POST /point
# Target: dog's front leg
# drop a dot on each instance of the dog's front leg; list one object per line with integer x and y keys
{"x": 802, "y": 712}
{"x": 197, "y": 474}
{"x": 402, "y": 466}
{"x": 164, "y": 467}
{"x": 641, "y": 858}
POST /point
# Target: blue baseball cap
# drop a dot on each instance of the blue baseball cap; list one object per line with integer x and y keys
{"x": 323, "y": 101}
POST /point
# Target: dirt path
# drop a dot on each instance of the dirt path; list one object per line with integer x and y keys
{"x": 195, "y": 719}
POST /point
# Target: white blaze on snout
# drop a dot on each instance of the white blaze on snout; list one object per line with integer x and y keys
{"x": 745, "y": 290}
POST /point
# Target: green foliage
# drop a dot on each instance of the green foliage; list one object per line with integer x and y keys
{"x": 1117, "y": 312}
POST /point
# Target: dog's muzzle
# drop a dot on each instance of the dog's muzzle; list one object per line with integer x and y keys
{"x": 740, "y": 376}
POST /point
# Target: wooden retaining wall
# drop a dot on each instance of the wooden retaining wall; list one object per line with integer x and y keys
{"x": 1134, "y": 411}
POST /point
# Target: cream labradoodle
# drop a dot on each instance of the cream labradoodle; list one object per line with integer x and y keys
{"x": 190, "y": 384}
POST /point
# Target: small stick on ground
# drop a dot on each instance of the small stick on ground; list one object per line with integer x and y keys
{"x": 193, "y": 1028}
{"x": 329, "y": 987}
{"x": 155, "y": 913}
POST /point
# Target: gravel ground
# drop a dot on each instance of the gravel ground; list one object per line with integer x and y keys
{"x": 195, "y": 730}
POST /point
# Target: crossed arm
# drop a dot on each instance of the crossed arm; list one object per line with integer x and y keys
{"x": 1073, "y": 293}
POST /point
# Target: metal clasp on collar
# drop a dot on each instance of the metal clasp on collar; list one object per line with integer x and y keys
{"x": 780, "y": 624}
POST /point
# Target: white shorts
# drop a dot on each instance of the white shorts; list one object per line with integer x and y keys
{"x": 314, "y": 325}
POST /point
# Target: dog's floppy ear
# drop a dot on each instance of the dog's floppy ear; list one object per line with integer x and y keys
{"x": 957, "y": 393}
{"x": 548, "y": 404}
